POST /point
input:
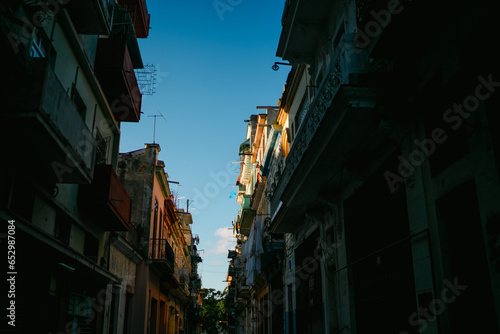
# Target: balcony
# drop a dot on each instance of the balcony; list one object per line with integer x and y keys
{"x": 231, "y": 291}
{"x": 123, "y": 28}
{"x": 179, "y": 283}
{"x": 91, "y": 17}
{"x": 337, "y": 122}
{"x": 162, "y": 257}
{"x": 196, "y": 282}
{"x": 184, "y": 283}
{"x": 268, "y": 158}
{"x": 115, "y": 72}
{"x": 39, "y": 113}
{"x": 246, "y": 169}
{"x": 231, "y": 254}
{"x": 140, "y": 16}
{"x": 246, "y": 215}
{"x": 303, "y": 25}
{"x": 244, "y": 293}
{"x": 107, "y": 199}
{"x": 195, "y": 258}
{"x": 274, "y": 244}
{"x": 258, "y": 193}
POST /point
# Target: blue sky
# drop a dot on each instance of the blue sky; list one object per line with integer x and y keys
{"x": 213, "y": 62}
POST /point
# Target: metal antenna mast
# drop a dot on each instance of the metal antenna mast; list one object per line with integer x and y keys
{"x": 154, "y": 124}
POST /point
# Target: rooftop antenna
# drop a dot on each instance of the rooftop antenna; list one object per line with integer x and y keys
{"x": 154, "y": 126}
{"x": 146, "y": 79}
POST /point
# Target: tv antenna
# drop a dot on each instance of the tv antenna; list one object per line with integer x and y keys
{"x": 154, "y": 126}
{"x": 146, "y": 79}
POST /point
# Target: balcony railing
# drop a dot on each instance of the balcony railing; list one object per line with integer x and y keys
{"x": 139, "y": 14}
{"x": 182, "y": 276}
{"x": 258, "y": 192}
{"x": 246, "y": 214}
{"x": 107, "y": 199}
{"x": 116, "y": 75}
{"x": 162, "y": 256}
{"x": 196, "y": 283}
{"x": 345, "y": 62}
{"x": 40, "y": 113}
{"x": 244, "y": 292}
{"x": 184, "y": 283}
{"x": 161, "y": 250}
{"x": 91, "y": 17}
{"x": 271, "y": 244}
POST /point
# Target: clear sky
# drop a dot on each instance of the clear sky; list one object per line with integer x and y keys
{"x": 213, "y": 62}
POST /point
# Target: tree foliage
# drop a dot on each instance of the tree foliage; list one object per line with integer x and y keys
{"x": 213, "y": 310}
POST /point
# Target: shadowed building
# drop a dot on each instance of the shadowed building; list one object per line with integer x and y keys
{"x": 385, "y": 180}
{"x": 64, "y": 96}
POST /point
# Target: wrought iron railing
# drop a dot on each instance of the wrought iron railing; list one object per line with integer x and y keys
{"x": 160, "y": 249}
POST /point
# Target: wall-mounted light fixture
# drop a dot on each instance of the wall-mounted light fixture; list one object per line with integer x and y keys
{"x": 275, "y": 67}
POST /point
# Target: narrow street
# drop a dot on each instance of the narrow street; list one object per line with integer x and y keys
{"x": 250, "y": 167}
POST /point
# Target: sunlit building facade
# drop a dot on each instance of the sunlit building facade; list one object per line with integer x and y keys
{"x": 167, "y": 285}
{"x": 254, "y": 272}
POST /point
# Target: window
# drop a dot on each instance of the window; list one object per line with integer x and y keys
{"x": 102, "y": 148}
{"x": 285, "y": 142}
{"x": 264, "y": 311}
{"x": 155, "y": 244}
{"x": 80, "y": 305}
{"x": 62, "y": 228}
{"x": 161, "y": 224}
{"x": 128, "y": 312}
{"x": 91, "y": 246}
{"x": 300, "y": 115}
{"x": 81, "y": 313}
{"x": 153, "y": 315}
{"x": 303, "y": 110}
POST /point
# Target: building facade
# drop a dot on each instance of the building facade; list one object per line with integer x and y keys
{"x": 167, "y": 286}
{"x": 84, "y": 256}
{"x": 65, "y": 96}
{"x": 255, "y": 269}
{"x": 385, "y": 172}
